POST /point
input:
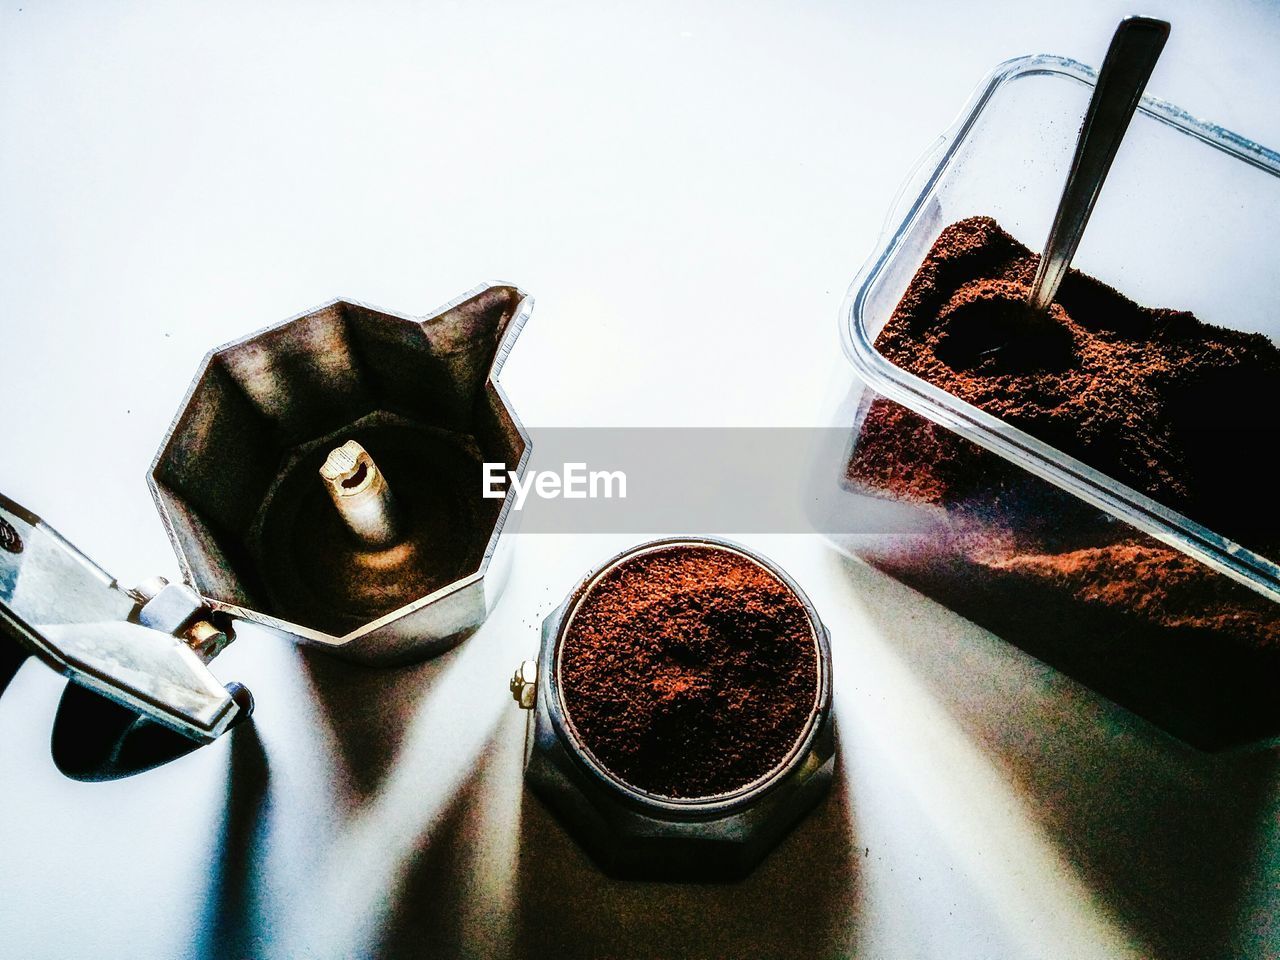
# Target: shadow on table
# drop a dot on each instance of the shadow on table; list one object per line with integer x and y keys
{"x": 367, "y": 711}
{"x": 1167, "y": 836}
{"x": 233, "y": 924}
{"x": 495, "y": 875}
{"x": 796, "y": 903}
{"x": 453, "y": 899}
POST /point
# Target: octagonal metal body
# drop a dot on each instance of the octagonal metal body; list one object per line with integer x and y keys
{"x": 238, "y": 460}
{"x": 634, "y": 835}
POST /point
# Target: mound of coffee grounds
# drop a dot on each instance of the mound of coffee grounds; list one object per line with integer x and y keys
{"x": 1174, "y": 407}
{"x": 1157, "y": 399}
{"x": 689, "y": 671}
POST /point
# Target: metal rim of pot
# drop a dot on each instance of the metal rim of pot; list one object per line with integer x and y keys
{"x": 692, "y": 808}
{"x": 361, "y": 644}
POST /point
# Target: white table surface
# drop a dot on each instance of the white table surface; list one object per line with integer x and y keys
{"x": 678, "y": 185}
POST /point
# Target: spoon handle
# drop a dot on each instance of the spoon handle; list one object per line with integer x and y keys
{"x": 1132, "y": 56}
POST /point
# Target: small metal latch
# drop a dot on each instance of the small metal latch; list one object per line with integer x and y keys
{"x": 524, "y": 684}
{"x": 176, "y": 609}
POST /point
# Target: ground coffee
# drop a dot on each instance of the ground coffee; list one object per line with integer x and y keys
{"x": 1171, "y": 406}
{"x": 689, "y": 671}
{"x": 1167, "y": 404}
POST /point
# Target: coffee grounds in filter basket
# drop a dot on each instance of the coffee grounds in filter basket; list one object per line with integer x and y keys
{"x": 689, "y": 671}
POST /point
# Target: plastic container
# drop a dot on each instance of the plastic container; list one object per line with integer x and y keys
{"x": 1189, "y": 219}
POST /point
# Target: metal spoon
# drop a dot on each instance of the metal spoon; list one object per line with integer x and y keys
{"x": 1132, "y": 56}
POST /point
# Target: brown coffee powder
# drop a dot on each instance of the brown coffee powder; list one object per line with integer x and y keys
{"x": 1172, "y": 406}
{"x": 689, "y": 671}
{"x": 1157, "y": 399}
